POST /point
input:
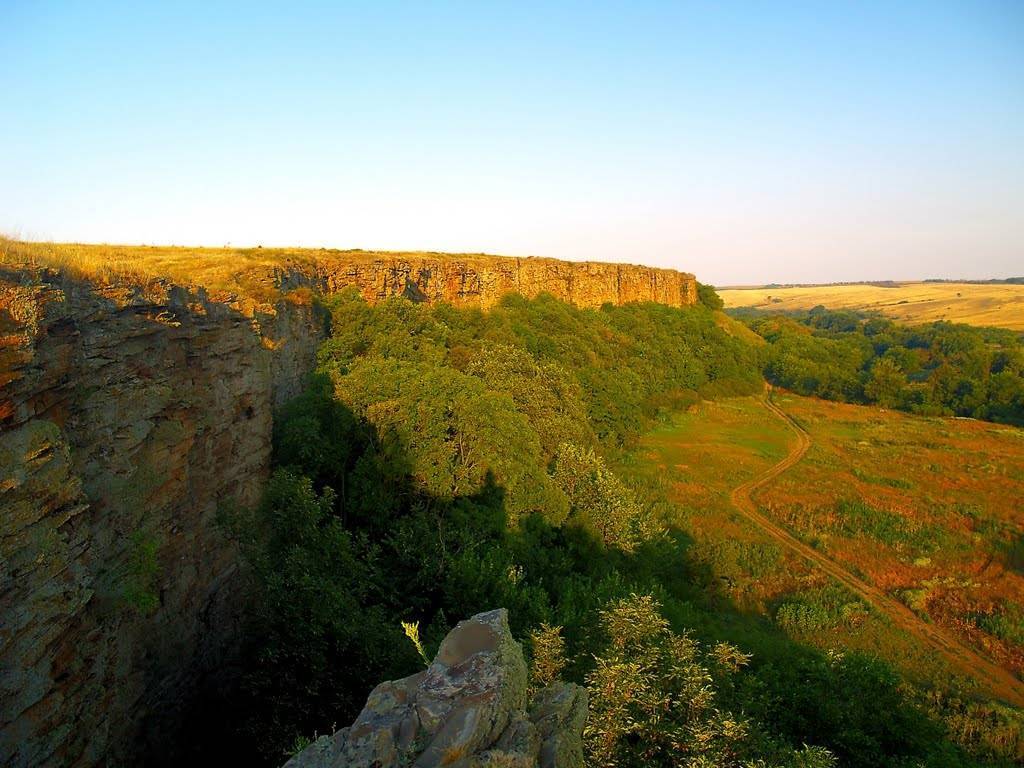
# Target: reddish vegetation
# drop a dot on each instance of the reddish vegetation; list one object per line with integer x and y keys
{"x": 941, "y": 503}
{"x": 919, "y": 516}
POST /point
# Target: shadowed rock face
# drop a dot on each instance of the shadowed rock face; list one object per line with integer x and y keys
{"x": 467, "y": 709}
{"x": 126, "y": 415}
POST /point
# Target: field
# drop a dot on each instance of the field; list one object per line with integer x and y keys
{"x": 998, "y": 305}
{"x": 927, "y": 510}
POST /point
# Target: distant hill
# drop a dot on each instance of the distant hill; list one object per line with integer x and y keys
{"x": 990, "y": 302}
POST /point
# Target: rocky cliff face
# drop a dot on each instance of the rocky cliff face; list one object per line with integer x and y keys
{"x": 128, "y": 413}
{"x": 460, "y": 279}
{"x": 468, "y": 709}
{"x": 482, "y": 281}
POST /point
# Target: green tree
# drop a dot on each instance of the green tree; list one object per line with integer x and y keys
{"x": 598, "y": 501}
{"x": 707, "y": 296}
{"x": 448, "y": 431}
{"x": 314, "y": 607}
{"x": 653, "y": 697}
{"x": 549, "y": 397}
{"x": 885, "y": 383}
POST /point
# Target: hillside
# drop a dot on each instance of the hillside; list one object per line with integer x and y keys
{"x": 922, "y": 509}
{"x": 993, "y": 304}
{"x": 138, "y": 396}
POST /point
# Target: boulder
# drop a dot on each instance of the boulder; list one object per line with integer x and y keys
{"x": 468, "y": 709}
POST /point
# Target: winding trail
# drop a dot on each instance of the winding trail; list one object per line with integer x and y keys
{"x": 1002, "y": 684}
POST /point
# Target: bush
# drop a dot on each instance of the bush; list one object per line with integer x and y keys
{"x": 707, "y": 296}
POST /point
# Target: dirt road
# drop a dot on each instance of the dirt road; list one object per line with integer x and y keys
{"x": 1001, "y": 683}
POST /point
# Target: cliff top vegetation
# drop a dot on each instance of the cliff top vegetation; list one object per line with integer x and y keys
{"x": 259, "y": 274}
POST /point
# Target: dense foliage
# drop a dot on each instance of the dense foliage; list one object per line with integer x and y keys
{"x": 449, "y": 461}
{"x": 709, "y": 297}
{"x": 935, "y": 369}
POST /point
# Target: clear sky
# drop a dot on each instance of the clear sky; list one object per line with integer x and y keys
{"x": 746, "y": 142}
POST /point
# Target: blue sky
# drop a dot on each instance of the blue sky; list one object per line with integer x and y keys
{"x": 747, "y": 142}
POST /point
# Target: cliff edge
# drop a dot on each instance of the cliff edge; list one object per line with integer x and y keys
{"x": 262, "y": 274}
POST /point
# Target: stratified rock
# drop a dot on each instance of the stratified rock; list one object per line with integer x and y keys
{"x": 468, "y": 709}
{"x": 464, "y": 280}
{"x": 127, "y": 414}
{"x": 559, "y": 713}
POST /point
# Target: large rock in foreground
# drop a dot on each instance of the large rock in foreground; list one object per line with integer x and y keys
{"x": 467, "y": 709}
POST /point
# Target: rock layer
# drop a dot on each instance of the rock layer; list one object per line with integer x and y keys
{"x": 482, "y": 281}
{"x": 127, "y": 415}
{"x": 468, "y": 709}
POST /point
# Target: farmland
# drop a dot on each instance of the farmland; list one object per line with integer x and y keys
{"x": 993, "y": 304}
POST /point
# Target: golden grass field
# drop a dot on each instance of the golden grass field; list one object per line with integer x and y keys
{"x": 927, "y": 509}
{"x": 999, "y": 305}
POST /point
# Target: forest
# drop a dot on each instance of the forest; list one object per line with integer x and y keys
{"x": 937, "y": 369}
{"x": 444, "y": 462}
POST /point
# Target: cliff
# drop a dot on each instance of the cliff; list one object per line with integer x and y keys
{"x": 133, "y": 404}
{"x": 261, "y": 275}
{"x": 482, "y": 280}
{"x": 127, "y": 413}
{"x": 468, "y": 709}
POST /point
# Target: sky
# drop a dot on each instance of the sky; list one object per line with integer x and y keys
{"x": 746, "y": 142}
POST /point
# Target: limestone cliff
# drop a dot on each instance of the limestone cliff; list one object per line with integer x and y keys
{"x": 468, "y": 709}
{"x": 131, "y": 405}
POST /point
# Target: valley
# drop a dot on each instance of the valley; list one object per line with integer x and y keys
{"x": 387, "y": 385}
{"x": 931, "y": 557}
{"x": 285, "y": 479}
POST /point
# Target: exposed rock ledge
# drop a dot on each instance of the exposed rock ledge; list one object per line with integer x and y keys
{"x": 468, "y": 709}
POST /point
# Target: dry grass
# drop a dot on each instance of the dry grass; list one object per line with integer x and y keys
{"x": 928, "y": 509}
{"x": 700, "y": 456}
{"x": 243, "y": 272}
{"x": 994, "y": 305}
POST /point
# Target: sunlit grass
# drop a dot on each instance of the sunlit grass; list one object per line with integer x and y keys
{"x": 929, "y": 509}
{"x": 999, "y": 305}
{"x": 250, "y": 273}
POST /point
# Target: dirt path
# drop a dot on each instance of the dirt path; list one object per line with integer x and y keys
{"x": 1001, "y": 682}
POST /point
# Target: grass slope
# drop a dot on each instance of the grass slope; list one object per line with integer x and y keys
{"x": 927, "y": 509}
